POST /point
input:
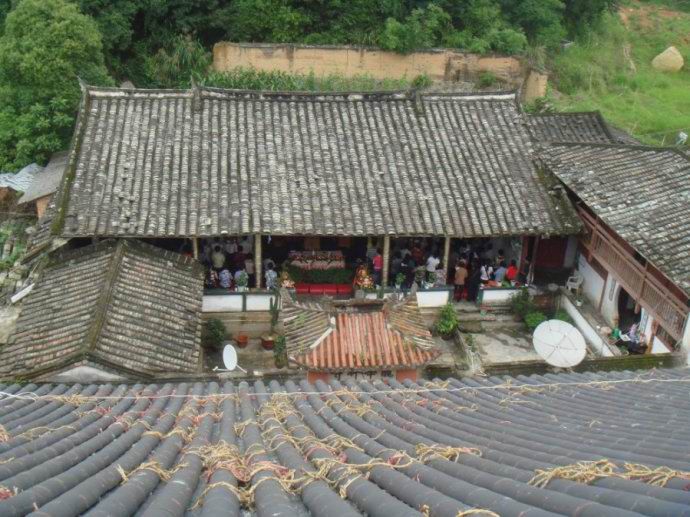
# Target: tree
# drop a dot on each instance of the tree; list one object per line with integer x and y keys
{"x": 423, "y": 28}
{"x": 46, "y": 46}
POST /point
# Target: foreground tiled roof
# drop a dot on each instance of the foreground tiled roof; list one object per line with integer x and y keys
{"x": 642, "y": 193}
{"x": 122, "y": 307}
{"x": 207, "y": 161}
{"x": 360, "y": 447}
{"x": 47, "y": 181}
{"x": 391, "y": 338}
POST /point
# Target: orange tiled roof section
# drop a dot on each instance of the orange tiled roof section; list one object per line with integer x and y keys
{"x": 391, "y": 339}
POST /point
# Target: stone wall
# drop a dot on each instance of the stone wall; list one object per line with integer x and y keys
{"x": 438, "y": 64}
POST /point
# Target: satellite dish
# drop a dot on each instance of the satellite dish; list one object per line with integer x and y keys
{"x": 559, "y": 343}
{"x": 230, "y": 357}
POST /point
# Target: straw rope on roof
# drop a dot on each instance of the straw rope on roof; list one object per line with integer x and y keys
{"x": 351, "y": 448}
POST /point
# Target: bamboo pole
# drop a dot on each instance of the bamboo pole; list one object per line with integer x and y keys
{"x": 386, "y": 259}
{"x": 257, "y": 259}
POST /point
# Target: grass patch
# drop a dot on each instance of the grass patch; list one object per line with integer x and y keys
{"x": 251, "y": 79}
{"x": 610, "y": 70}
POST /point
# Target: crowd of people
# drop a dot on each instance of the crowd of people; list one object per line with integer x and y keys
{"x": 230, "y": 264}
{"x": 471, "y": 265}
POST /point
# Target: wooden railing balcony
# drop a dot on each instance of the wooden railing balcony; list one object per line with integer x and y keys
{"x": 636, "y": 278}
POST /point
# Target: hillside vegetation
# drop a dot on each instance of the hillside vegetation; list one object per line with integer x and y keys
{"x": 610, "y": 70}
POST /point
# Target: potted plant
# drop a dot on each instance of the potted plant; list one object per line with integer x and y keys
{"x": 430, "y": 279}
{"x": 399, "y": 279}
{"x": 268, "y": 340}
{"x": 212, "y": 334}
{"x": 242, "y": 340}
{"x": 280, "y": 352}
{"x": 420, "y": 276}
{"x": 242, "y": 282}
{"x": 447, "y": 322}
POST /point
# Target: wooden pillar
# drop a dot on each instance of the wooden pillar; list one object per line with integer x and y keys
{"x": 257, "y": 259}
{"x": 533, "y": 261}
{"x": 195, "y": 248}
{"x": 446, "y": 257}
{"x": 386, "y": 259}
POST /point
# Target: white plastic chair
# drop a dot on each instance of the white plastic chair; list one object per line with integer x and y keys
{"x": 574, "y": 282}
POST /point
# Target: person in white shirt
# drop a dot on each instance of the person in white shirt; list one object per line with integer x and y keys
{"x": 486, "y": 272}
{"x": 217, "y": 257}
{"x": 432, "y": 263}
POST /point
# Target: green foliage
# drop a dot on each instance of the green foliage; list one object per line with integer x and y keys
{"x": 280, "y": 352}
{"x": 47, "y": 44}
{"x": 423, "y": 28}
{"x": 541, "y": 20}
{"x": 212, "y": 334}
{"x": 610, "y": 70}
{"x": 522, "y": 304}
{"x": 447, "y": 322}
{"x": 487, "y": 79}
{"x": 174, "y": 66}
{"x": 242, "y": 279}
{"x": 563, "y": 316}
{"x": 400, "y": 279}
{"x": 534, "y": 319}
{"x": 251, "y": 79}
{"x": 327, "y": 276}
{"x": 275, "y": 313}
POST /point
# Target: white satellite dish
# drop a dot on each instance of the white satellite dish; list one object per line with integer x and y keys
{"x": 230, "y": 360}
{"x": 559, "y": 343}
{"x": 230, "y": 357}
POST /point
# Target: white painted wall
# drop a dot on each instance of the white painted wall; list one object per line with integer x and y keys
{"x": 497, "y": 296}
{"x": 593, "y": 283}
{"x": 591, "y": 335}
{"x": 433, "y": 298}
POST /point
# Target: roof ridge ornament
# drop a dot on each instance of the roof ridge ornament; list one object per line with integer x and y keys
{"x": 196, "y": 96}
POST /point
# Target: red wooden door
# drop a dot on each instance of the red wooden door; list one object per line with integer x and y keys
{"x": 551, "y": 252}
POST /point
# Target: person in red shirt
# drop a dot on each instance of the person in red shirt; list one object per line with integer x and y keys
{"x": 511, "y": 273}
{"x": 377, "y": 262}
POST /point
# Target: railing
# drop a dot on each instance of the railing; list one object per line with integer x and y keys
{"x": 634, "y": 277}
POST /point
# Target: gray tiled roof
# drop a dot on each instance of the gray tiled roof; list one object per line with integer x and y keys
{"x": 47, "y": 181}
{"x": 642, "y": 193}
{"x": 206, "y": 161}
{"x": 21, "y": 180}
{"x": 570, "y": 127}
{"x": 124, "y": 307}
{"x": 350, "y": 448}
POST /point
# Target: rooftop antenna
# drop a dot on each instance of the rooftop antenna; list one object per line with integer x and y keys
{"x": 559, "y": 343}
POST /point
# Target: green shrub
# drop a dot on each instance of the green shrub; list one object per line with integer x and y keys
{"x": 563, "y": 316}
{"x": 522, "y": 304}
{"x": 534, "y": 319}
{"x": 447, "y": 322}
{"x": 213, "y": 334}
{"x": 487, "y": 79}
{"x": 280, "y": 352}
{"x": 400, "y": 279}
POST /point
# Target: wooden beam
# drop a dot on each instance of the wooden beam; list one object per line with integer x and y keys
{"x": 257, "y": 259}
{"x": 386, "y": 259}
{"x": 195, "y": 248}
{"x": 446, "y": 255}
